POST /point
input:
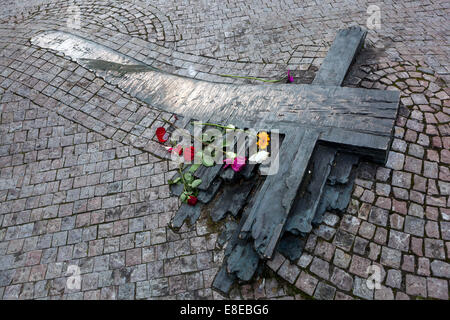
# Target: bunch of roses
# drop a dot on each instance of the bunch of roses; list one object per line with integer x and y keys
{"x": 186, "y": 177}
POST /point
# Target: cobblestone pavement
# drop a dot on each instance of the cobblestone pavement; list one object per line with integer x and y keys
{"x": 78, "y": 185}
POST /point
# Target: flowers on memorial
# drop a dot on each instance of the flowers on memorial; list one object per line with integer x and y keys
{"x": 263, "y": 140}
{"x": 189, "y": 182}
{"x": 192, "y": 200}
{"x": 259, "y": 157}
{"x": 175, "y": 150}
{"x": 290, "y": 78}
{"x": 161, "y": 134}
{"x": 231, "y": 156}
{"x": 187, "y": 156}
{"x": 228, "y": 162}
{"x": 236, "y": 164}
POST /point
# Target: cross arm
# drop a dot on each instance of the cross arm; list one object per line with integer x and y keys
{"x": 340, "y": 56}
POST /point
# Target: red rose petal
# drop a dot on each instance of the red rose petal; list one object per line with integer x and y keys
{"x": 161, "y": 134}
{"x": 175, "y": 150}
{"x": 189, "y": 154}
{"x": 192, "y": 201}
{"x": 178, "y": 149}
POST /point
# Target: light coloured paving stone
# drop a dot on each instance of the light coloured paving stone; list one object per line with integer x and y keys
{"x": 416, "y": 286}
{"x": 395, "y": 160}
{"x": 414, "y": 226}
{"x": 343, "y": 240}
{"x": 384, "y": 293}
{"x": 437, "y": 288}
{"x": 445, "y": 230}
{"x": 304, "y": 260}
{"x": 342, "y": 279}
{"x": 361, "y": 290}
{"x": 399, "y": 240}
{"x": 320, "y": 268}
{"x": 324, "y": 291}
{"x": 289, "y": 271}
{"x": 416, "y": 210}
{"x": 390, "y": 257}
{"x": 324, "y": 250}
{"x": 394, "y": 278}
{"x": 434, "y": 248}
{"x": 359, "y": 266}
{"x": 367, "y": 230}
{"x": 276, "y": 262}
{"x": 401, "y": 296}
{"x": 324, "y": 231}
{"x": 379, "y": 216}
{"x": 306, "y": 283}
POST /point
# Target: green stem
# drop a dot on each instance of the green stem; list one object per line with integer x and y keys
{"x": 180, "y": 169}
{"x": 214, "y": 125}
{"x": 251, "y": 78}
{"x": 217, "y": 125}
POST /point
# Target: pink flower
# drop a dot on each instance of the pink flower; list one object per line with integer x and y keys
{"x": 238, "y": 163}
{"x": 228, "y": 162}
{"x": 290, "y": 78}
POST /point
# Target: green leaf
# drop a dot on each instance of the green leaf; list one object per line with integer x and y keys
{"x": 207, "y": 161}
{"x": 188, "y": 177}
{"x": 196, "y": 183}
{"x": 183, "y": 197}
{"x": 206, "y": 137}
{"x": 194, "y": 168}
{"x": 174, "y": 181}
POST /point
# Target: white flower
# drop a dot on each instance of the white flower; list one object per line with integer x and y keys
{"x": 231, "y": 155}
{"x": 259, "y": 157}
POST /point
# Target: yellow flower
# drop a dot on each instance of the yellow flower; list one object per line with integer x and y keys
{"x": 263, "y": 140}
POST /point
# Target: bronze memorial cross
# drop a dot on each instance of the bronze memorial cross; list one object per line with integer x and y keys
{"x": 360, "y": 121}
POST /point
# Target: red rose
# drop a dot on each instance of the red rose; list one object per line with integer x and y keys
{"x": 161, "y": 134}
{"x": 192, "y": 201}
{"x": 188, "y": 154}
{"x": 177, "y": 149}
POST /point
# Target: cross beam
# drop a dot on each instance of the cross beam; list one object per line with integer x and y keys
{"x": 360, "y": 119}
